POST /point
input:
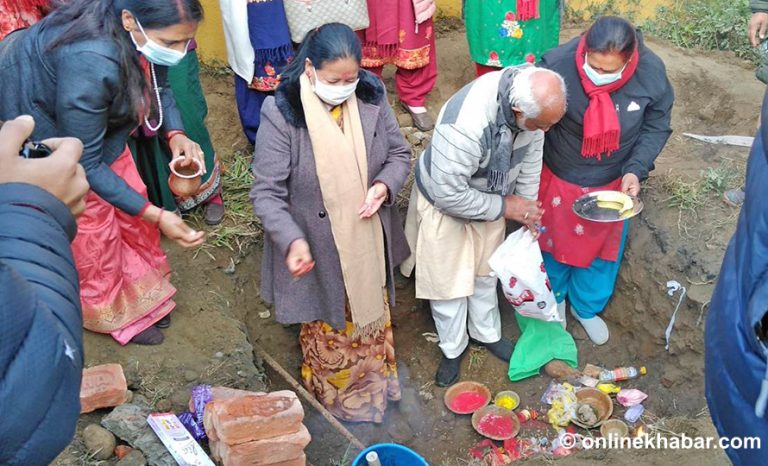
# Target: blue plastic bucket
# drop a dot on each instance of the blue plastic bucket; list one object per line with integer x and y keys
{"x": 391, "y": 454}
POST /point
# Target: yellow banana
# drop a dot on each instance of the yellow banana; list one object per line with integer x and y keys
{"x": 615, "y": 200}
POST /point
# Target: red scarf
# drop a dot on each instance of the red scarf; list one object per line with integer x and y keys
{"x": 527, "y": 9}
{"x": 602, "y": 131}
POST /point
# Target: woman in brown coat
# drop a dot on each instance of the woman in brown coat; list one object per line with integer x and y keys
{"x": 328, "y": 165}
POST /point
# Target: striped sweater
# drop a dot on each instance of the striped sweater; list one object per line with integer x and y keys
{"x": 452, "y": 171}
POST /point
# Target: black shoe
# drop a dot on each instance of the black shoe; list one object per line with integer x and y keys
{"x": 448, "y": 371}
{"x": 150, "y": 337}
{"x": 214, "y": 214}
{"x": 165, "y": 322}
{"x": 422, "y": 121}
{"x": 502, "y": 349}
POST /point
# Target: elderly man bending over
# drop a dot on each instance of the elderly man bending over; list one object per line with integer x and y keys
{"x": 481, "y": 169}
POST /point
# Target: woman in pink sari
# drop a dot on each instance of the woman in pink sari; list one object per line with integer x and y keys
{"x": 401, "y": 34}
{"x": 94, "y": 69}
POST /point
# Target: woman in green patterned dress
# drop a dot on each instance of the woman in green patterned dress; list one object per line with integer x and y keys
{"x": 510, "y": 32}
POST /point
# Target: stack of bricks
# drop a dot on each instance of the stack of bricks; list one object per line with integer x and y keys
{"x": 256, "y": 429}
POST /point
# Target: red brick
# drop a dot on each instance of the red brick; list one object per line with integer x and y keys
{"x": 102, "y": 387}
{"x": 224, "y": 393}
{"x": 210, "y": 429}
{"x": 268, "y": 452}
{"x": 122, "y": 450}
{"x": 214, "y": 446}
{"x": 300, "y": 461}
{"x": 254, "y": 417}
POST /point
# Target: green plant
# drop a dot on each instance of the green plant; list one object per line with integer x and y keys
{"x": 215, "y": 68}
{"x": 345, "y": 460}
{"x": 719, "y": 179}
{"x": 705, "y": 24}
{"x": 596, "y": 8}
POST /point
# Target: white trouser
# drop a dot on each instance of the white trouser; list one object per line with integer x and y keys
{"x": 479, "y": 313}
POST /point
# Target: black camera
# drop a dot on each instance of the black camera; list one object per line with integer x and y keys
{"x": 34, "y": 150}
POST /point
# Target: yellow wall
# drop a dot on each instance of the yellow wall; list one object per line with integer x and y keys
{"x": 449, "y": 7}
{"x": 642, "y": 9}
{"x": 210, "y": 37}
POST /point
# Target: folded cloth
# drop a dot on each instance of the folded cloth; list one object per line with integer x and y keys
{"x": 540, "y": 342}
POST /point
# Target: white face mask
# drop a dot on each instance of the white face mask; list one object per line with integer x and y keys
{"x": 332, "y": 94}
{"x": 156, "y": 53}
{"x": 601, "y": 79}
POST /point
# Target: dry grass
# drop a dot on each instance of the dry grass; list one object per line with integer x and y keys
{"x": 155, "y": 385}
{"x": 463, "y": 462}
{"x": 476, "y": 356}
{"x": 697, "y": 198}
{"x": 682, "y": 193}
{"x": 240, "y": 229}
{"x": 85, "y": 458}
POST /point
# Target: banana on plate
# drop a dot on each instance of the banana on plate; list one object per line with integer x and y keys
{"x": 615, "y": 200}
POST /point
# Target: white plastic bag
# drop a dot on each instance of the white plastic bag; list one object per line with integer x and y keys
{"x": 520, "y": 267}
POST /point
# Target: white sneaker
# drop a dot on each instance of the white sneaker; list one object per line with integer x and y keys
{"x": 561, "y": 311}
{"x": 595, "y": 328}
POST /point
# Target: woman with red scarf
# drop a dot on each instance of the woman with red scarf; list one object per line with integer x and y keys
{"x": 617, "y": 123}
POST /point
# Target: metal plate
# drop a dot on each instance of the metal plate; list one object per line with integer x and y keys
{"x": 586, "y": 208}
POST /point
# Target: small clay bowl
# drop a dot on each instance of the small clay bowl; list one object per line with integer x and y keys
{"x": 614, "y": 428}
{"x": 494, "y": 410}
{"x": 185, "y": 181}
{"x": 507, "y": 394}
{"x": 598, "y": 400}
{"x": 464, "y": 387}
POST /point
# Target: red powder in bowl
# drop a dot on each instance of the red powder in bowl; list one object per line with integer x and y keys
{"x": 497, "y": 426}
{"x": 468, "y": 402}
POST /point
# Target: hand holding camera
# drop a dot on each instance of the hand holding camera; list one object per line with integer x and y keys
{"x": 51, "y": 164}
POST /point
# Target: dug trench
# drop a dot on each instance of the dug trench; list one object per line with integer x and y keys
{"x": 681, "y": 235}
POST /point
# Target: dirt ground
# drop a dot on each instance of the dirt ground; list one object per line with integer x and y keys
{"x": 680, "y": 236}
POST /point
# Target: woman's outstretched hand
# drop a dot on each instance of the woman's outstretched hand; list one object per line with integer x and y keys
{"x": 299, "y": 260}
{"x": 174, "y": 227}
{"x": 373, "y": 201}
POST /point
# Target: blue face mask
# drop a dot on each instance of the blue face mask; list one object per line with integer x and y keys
{"x": 601, "y": 79}
{"x": 156, "y": 53}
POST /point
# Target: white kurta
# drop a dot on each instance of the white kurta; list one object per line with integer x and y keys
{"x": 447, "y": 252}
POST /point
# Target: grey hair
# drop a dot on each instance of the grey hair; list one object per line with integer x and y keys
{"x": 522, "y": 95}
